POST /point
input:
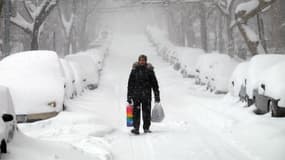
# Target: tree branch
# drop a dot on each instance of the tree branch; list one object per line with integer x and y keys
{"x": 30, "y": 8}
{"x": 90, "y": 11}
{"x": 20, "y": 21}
{"x": 46, "y": 7}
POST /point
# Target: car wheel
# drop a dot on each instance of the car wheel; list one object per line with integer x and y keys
{"x": 272, "y": 109}
{"x": 3, "y": 147}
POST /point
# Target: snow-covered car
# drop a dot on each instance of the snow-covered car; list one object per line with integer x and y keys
{"x": 96, "y": 55}
{"x": 237, "y": 81}
{"x": 7, "y": 120}
{"x": 220, "y": 74}
{"x": 36, "y": 83}
{"x": 257, "y": 65}
{"x": 187, "y": 59}
{"x": 204, "y": 66}
{"x": 69, "y": 78}
{"x": 88, "y": 69}
{"x": 271, "y": 91}
{"x": 79, "y": 82}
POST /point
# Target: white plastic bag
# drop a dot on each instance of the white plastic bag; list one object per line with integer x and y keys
{"x": 157, "y": 113}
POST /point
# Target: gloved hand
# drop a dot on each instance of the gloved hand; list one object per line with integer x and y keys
{"x": 129, "y": 100}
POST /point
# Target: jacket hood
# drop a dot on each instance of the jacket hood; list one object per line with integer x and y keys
{"x": 148, "y": 65}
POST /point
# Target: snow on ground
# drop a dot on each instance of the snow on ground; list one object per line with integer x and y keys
{"x": 198, "y": 125}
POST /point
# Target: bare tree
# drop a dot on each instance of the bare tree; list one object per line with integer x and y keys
{"x": 67, "y": 25}
{"x": 278, "y": 26}
{"x": 1, "y": 4}
{"x": 226, "y": 9}
{"x": 204, "y": 27}
{"x": 87, "y": 7}
{"x": 6, "y": 39}
{"x": 37, "y": 16}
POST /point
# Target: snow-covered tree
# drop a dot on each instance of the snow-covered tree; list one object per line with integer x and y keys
{"x": 6, "y": 38}
{"x": 87, "y": 8}
{"x": 67, "y": 24}
{"x": 37, "y": 15}
{"x": 1, "y": 4}
{"x": 226, "y": 9}
{"x": 277, "y": 17}
{"x": 243, "y": 13}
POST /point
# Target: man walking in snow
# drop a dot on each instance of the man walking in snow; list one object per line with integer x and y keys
{"x": 142, "y": 81}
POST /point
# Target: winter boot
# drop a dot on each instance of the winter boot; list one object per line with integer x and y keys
{"x": 147, "y": 131}
{"x": 135, "y": 131}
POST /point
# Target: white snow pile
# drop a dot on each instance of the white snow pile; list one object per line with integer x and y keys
{"x": 83, "y": 131}
{"x": 34, "y": 79}
{"x": 26, "y": 148}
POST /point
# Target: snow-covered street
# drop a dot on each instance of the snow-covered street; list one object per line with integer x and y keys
{"x": 198, "y": 124}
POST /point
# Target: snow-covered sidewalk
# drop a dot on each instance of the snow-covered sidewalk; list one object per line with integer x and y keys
{"x": 198, "y": 125}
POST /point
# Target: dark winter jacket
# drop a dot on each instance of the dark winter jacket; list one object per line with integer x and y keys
{"x": 142, "y": 79}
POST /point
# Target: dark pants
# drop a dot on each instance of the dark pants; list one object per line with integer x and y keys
{"x": 145, "y": 105}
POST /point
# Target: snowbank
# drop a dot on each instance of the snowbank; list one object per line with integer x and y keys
{"x": 25, "y": 148}
{"x": 84, "y": 131}
{"x": 35, "y": 80}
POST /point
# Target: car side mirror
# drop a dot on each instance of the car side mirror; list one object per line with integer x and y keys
{"x": 7, "y": 117}
{"x": 263, "y": 86}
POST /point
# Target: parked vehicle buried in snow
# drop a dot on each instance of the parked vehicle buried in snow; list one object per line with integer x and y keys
{"x": 220, "y": 73}
{"x": 238, "y": 81}
{"x": 7, "y": 120}
{"x": 257, "y": 65}
{"x": 187, "y": 59}
{"x": 88, "y": 68}
{"x": 214, "y": 70}
{"x": 36, "y": 84}
{"x": 270, "y": 95}
{"x": 69, "y": 85}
